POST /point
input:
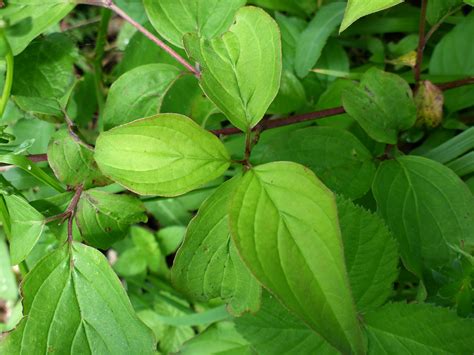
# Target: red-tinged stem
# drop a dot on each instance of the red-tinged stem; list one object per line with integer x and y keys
{"x": 456, "y": 84}
{"x": 421, "y": 43}
{"x": 280, "y": 122}
{"x": 110, "y": 5}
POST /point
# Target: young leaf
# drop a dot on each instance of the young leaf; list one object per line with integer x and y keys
{"x": 27, "y": 224}
{"x": 274, "y": 330}
{"x": 138, "y": 93}
{"x": 72, "y": 162}
{"x": 28, "y": 19}
{"x": 208, "y": 19}
{"x": 360, "y": 8}
{"x": 207, "y": 264}
{"x": 313, "y": 39}
{"x": 427, "y": 207}
{"x": 165, "y": 155}
{"x": 371, "y": 255}
{"x": 382, "y": 104}
{"x": 400, "y": 328}
{"x": 105, "y": 218}
{"x": 284, "y": 223}
{"x": 338, "y": 158}
{"x": 74, "y": 303}
{"x": 241, "y": 70}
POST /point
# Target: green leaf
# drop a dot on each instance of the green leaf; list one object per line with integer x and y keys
{"x": 437, "y": 9}
{"x": 382, "y": 104}
{"x": 274, "y": 330}
{"x": 74, "y": 303}
{"x": 469, "y": 2}
{"x": 207, "y": 265}
{"x": 28, "y": 19}
{"x": 145, "y": 253}
{"x": 166, "y": 155}
{"x": 290, "y": 28}
{"x": 72, "y": 161}
{"x": 207, "y": 18}
{"x": 27, "y": 224}
{"x": 8, "y": 287}
{"x": 400, "y": 328}
{"x": 296, "y": 7}
{"x": 105, "y": 218}
{"x": 360, "y": 8}
{"x": 284, "y": 223}
{"x": 371, "y": 255}
{"x": 291, "y": 97}
{"x": 170, "y": 238}
{"x": 241, "y": 70}
{"x": 45, "y": 68}
{"x": 138, "y": 93}
{"x": 427, "y": 207}
{"x": 451, "y": 56}
{"x": 219, "y": 339}
{"x": 313, "y": 39}
{"x": 337, "y": 157}
{"x": 27, "y": 165}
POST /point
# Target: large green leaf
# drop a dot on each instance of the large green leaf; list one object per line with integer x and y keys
{"x": 166, "y": 155}
{"x": 313, "y": 39}
{"x": 382, "y": 104}
{"x": 45, "y": 68}
{"x": 27, "y": 224}
{"x": 207, "y": 264}
{"x": 73, "y": 304}
{"x": 28, "y": 19}
{"x": 138, "y": 93}
{"x": 418, "y": 329}
{"x": 371, "y": 255}
{"x": 104, "y": 218}
{"x": 72, "y": 161}
{"x": 241, "y": 70}
{"x": 427, "y": 207}
{"x": 207, "y": 18}
{"x": 284, "y": 223}
{"x": 274, "y": 330}
{"x": 338, "y": 158}
{"x": 360, "y": 8}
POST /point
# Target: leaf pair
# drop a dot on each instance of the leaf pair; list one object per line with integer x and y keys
{"x": 240, "y": 66}
{"x": 284, "y": 223}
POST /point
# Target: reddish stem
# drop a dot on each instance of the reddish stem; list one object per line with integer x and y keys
{"x": 421, "y": 43}
{"x": 456, "y": 84}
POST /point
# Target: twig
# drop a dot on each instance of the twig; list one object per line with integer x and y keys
{"x": 284, "y": 121}
{"x": 421, "y": 44}
{"x": 456, "y": 84}
{"x": 438, "y": 24}
{"x": 109, "y": 4}
{"x": 69, "y": 213}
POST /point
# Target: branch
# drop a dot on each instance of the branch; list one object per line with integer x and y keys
{"x": 456, "y": 84}
{"x": 280, "y": 122}
{"x": 421, "y": 43}
{"x": 109, "y": 4}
